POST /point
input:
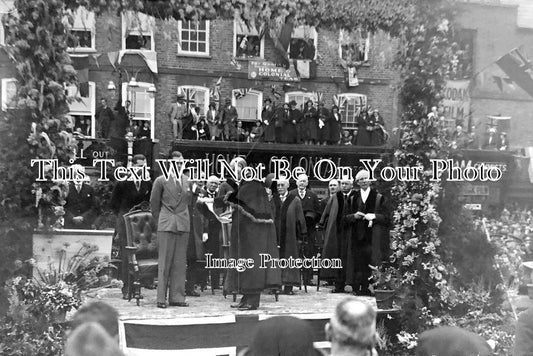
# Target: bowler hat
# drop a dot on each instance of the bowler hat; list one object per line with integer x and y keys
{"x": 293, "y": 103}
{"x": 267, "y": 99}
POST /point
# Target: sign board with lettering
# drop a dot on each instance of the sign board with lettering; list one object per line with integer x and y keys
{"x": 457, "y": 99}
{"x": 270, "y": 71}
{"x": 472, "y": 206}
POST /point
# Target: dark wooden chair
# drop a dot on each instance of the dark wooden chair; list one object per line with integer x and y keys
{"x": 142, "y": 249}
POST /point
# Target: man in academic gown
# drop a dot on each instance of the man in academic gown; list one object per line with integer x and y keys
{"x": 369, "y": 218}
{"x": 311, "y": 209}
{"x": 252, "y": 233}
{"x": 126, "y": 195}
{"x": 291, "y": 231}
{"x": 212, "y": 228}
{"x": 337, "y": 233}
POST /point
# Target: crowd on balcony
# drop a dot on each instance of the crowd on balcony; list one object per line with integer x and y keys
{"x": 285, "y": 123}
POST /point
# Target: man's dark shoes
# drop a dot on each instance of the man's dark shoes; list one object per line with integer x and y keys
{"x": 161, "y": 305}
{"x": 179, "y": 304}
{"x": 192, "y": 294}
{"x": 247, "y": 307}
{"x": 236, "y": 306}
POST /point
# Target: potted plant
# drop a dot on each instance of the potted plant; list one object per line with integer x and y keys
{"x": 385, "y": 283}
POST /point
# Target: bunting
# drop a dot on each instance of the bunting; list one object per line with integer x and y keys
{"x": 275, "y": 92}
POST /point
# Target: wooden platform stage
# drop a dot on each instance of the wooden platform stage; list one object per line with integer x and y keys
{"x": 209, "y": 326}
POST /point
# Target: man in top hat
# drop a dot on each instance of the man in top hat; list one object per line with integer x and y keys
{"x": 311, "y": 209}
{"x": 368, "y": 245}
{"x": 228, "y": 119}
{"x": 178, "y": 111}
{"x": 269, "y": 120}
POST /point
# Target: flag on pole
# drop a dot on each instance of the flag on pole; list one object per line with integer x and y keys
{"x": 240, "y": 93}
{"x": 518, "y": 68}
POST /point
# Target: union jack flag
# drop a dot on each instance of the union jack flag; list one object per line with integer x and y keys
{"x": 340, "y": 101}
{"x": 214, "y": 93}
{"x": 190, "y": 96}
{"x": 319, "y": 96}
{"x": 240, "y": 93}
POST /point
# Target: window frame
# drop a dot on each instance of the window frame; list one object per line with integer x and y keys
{"x": 237, "y": 24}
{"x": 126, "y": 96}
{"x": 315, "y": 41}
{"x": 3, "y": 94}
{"x": 367, "y": 46}
{"x": 5, "y": 7}
{"x": 92, "y": 98}
{"x": 182, "y": 52}
{"x": 197, "y": 88}
{"x": 306, "y": 94}
{"x": 348, "y": 96}
{"x": 151, "y": 31}
{"x": 78, "y": 16}
{"x": 258, "y": 94}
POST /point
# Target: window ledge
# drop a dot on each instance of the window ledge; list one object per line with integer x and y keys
{"x": 249, "y": 59}
{"x": 80, "y": 51}
{"x": 193, "y": 55}
{"x": 137, "y": 50}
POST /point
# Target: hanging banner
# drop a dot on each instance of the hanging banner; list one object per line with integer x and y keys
{"x": 457, "y": 100}
{"x": 352, "y": 77}
{"x": 270, "y": 71}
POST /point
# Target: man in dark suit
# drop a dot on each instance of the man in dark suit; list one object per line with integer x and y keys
{"x": 337, "y": 233}
{"x": 212, "y": 228}
{"x": 369, "y": 217}
{"x": 311, "y": 209}
{"x": 195, "y": 248}
{"x": 80, "y": 206}
{"x": 448, "y": 340}
{"x": 104, "y": 117}
{"x": 170, "y": 200}
{"x": 126, "y": 195}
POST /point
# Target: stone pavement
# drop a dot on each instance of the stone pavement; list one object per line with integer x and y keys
{"x": 208, "y": 304}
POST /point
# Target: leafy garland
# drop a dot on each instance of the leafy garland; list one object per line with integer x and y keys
{"x": 37, "y": 36}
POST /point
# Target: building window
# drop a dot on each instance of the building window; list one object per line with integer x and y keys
{"x": 350, "y": 106}
{"x": 195, "y": 96}
{"x": 5, "y": 7}
{"x": 248, "y": 103}
{"x": 247, "y": 42}
{"x": 301, "y": 98}
{"x": 354, "y": 46}
{"x": 138, "y": 31}
{"x": 303, "y": 43}
{"x": 194, "y": 37}
{"x": 82, "y": 107}
{"x": 142, "y": 104}
{"x": 9, "y": 93}
{"x": 83, "y": 31}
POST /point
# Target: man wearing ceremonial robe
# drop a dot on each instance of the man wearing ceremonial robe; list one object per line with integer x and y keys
{"x": 336, "y": 235}
{"x": 252, "y": 233}
{"x": 369, "y": 218}
{"x": 291, "y": 230}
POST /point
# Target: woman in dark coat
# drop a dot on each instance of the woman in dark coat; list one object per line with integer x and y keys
{"x": 269, "y": 121}
{"x": 365, "y": 128}
{"x": 310, "y": 123}
{"x": 334, "y": 126}
{"x": 289, "y": 118}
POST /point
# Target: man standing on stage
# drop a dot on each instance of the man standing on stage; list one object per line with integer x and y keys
{"x": 126, "y": 195}
{"x": 311, "y": 209}
{"x": 291, "y": 231}
{"x": 337, "y": 233}
{"x": 369, "y": 218}
{"x": 170, "y": 202}
{"x": 252, "y": 233}
{"x": 80, "y": 206}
